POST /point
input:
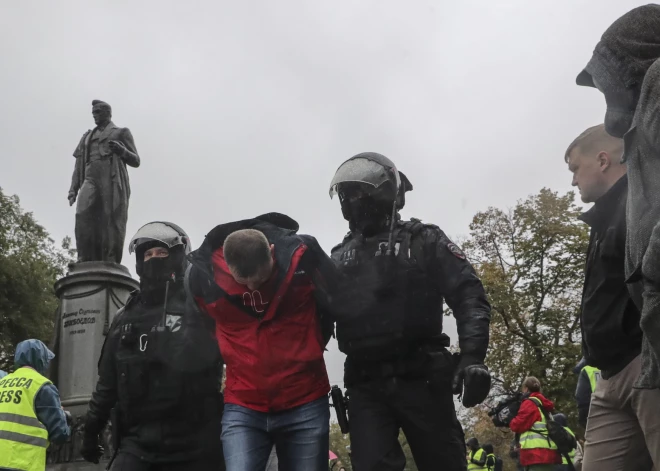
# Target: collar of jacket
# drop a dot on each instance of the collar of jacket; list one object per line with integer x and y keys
{"x": 271, "y": 224}
{"x": 602, "y": 211}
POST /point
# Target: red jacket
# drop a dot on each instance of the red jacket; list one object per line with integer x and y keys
{"x": 528, "y": 414}
{"x": 271, "y": 339}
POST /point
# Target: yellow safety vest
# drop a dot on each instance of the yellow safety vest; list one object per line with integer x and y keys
{"x": 593, "y": 374}
{"x": 23, "y": 439}
{"x": 571, "y": 455}
{"x": 537, "y": 436}
{"x": 478, "y": 455}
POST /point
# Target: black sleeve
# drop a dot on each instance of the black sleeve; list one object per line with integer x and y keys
{"x": 326, "y": 283}
{"x": 104, "y": 397}
{"x": 583, "y": 397}
{"x": 462, "y": 289}
{"x": 482, "y": 458}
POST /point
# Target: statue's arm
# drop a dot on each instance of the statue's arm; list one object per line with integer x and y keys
{"x": 79, "y": 155}
{"x": 130, "y": 156}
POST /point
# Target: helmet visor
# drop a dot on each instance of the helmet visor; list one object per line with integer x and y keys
{"x": 362, "y": 170}
{"x": 158, "y": 231}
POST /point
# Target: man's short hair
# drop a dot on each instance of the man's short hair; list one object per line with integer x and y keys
{"x": 532, "y": 384}
{"x": 595, "y": 139}
{"x": 102, "y": 104}
{"x": 246, "y": 251}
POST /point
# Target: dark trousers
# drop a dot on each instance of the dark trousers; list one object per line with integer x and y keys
{"x": 130, "y": 462}
{"x": 425, "y": 412}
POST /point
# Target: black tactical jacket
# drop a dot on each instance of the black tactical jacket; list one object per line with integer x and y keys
{"x": 165, "y": 384}
{"x": 408, "y": 294}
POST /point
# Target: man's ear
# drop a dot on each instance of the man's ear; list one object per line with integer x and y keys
{"x": 604, "y": 161}
{"x": 272, "y": 250}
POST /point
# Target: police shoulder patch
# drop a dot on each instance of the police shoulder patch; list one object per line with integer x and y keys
{"x": 458, "y": 253}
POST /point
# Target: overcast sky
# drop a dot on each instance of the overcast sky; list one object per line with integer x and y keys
{"x": 239, "y": 108}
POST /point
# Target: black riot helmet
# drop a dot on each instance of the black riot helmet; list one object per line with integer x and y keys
{"x": 371, "y": 190}
{"x": 161, "y": 234}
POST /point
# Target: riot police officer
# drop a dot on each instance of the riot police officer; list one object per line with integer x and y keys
{"x": 160, "y": 368}
{"x": 398, "y": 371}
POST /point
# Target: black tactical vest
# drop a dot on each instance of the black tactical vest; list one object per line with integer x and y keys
{"x": 155, "y": 397}
{"x": 388, "y": 304}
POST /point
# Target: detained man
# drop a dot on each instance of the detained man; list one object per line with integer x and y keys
{"x": 268, "y": 290}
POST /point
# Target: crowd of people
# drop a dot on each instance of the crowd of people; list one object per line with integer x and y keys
{"x": 261, "y": 301}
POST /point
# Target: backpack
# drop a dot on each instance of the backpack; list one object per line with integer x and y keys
{"x": 499, "y": 464}
{"x": 558, "y": 434}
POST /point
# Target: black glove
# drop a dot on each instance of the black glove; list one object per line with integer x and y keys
{"x": 472, "y": 379}
{"x": 91, "y": 449}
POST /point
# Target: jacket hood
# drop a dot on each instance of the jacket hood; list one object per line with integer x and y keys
{"x": 33, "y": 353}
{"x": 626, "y": 50}
{"x": 548, "y": 405}
{"x": 216, "y": 238}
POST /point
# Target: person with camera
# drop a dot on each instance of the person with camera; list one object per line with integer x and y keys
{"x": 537, "y": 451}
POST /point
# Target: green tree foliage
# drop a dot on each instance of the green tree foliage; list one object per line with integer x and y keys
{"x": 30, "y": 263}
{"x": 531, "y": 261}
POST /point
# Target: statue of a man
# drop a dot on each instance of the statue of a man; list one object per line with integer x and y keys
{"x": 100, "y": 183}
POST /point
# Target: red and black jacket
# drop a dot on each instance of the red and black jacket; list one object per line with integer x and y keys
{"x": 274, "y": 353}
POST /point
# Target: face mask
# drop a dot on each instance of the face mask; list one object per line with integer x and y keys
{"x": 367, "y": 215}
{"x": 158, "y": 269}
{"x": 155, "y": 274}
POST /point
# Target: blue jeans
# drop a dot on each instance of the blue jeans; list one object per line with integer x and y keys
{"x": 300, "y": 436}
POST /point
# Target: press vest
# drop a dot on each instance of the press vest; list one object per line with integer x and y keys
{"x": 390, "y": 301}
{"x": 571, "y": 454}
{"x": 23, "y": 439}
{"x": 594, "y": 376}
{"x": 478, "y": 455}
{"x": 537, "y": 436}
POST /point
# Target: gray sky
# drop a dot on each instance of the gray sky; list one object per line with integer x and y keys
{"x": 239, "y": 108}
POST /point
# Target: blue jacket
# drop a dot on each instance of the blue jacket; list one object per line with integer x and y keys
{"x": 35, "y": 354}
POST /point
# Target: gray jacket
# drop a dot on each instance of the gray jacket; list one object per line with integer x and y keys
{"x": 628, "y": 55}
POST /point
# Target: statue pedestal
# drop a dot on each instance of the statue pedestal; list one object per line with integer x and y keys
{"x": 90, "y": 295}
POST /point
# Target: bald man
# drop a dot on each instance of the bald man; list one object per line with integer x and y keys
{"x": 620, "y": 422}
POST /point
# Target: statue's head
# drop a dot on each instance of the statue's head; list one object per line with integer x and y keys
{"x": 101, "y": 111}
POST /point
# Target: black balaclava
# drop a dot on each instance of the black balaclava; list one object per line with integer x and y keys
{"x": 619, "y": 63}
{"x": 370, "y": 213}
{"x": 157, "y": 271}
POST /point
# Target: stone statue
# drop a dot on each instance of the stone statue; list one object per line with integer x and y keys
{"x": 100, "y": 183}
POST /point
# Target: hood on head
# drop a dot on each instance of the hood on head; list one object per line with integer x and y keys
{"x": 548, "y": 405}
{"x": 33, "y": 353}
{"x": 626, "y": 50}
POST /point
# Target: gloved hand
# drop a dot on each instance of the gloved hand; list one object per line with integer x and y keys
{"x": 472, "y": 379}
{"x": 91, "y": 449}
